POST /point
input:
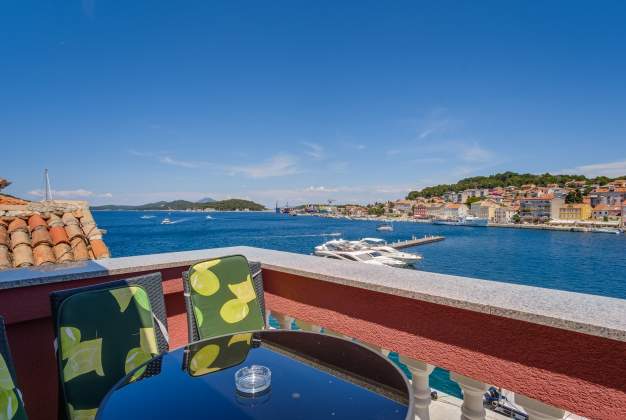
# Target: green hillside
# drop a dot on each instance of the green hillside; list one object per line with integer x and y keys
{"x": 223, "y": 205}
{"x": 505, "y": 179}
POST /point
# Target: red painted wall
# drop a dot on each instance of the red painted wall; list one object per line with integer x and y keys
{"x": 583, "y": 374}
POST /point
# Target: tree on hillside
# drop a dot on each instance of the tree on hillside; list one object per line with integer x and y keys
{"x": 4, "y": 183}
{"x": 573, "y": 197}
{"x": 471, "y": 200}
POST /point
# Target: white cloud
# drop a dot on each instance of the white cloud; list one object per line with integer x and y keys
{"x": 174, "y": 162}
{"x": 77, "y": 193}
{"x": 322, "y": 193}
{"x": 474, "y": 153}
{"x": 167, "y": 159}
{"x": 278, "y": 165}
{"x": 314, "y": 150}
{"x": 436, "y": 121}
{"x": 610, "y": 169}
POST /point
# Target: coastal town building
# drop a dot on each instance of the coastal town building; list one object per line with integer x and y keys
{"x": 435, "y": 211}
{"x": 578, "y": 211}
{"x": 602, "y": 211}
{"x": 420, "y": 211}
{"x": 355, "y": 211}
{"x": 540, "y": 209}
{"x": 485, "y": 209}
{"x": 404, "y": 207}
{"x": 454, "y": 211}
{"x": 611, "y": 194}
{"x": 504, "y": 214}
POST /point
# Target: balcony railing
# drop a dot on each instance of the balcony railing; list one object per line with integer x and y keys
{"x": 558, "y": 352}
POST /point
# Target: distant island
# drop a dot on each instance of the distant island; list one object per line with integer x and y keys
{"x": 232, "y": 204}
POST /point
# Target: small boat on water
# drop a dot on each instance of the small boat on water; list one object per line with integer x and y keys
{"x": 462, "y": 221}
{"x": 385, "y": 227}
{"x": 166, "y": 221}
{"x": 208, "y": 217}
{"x": 614, "y": 231}
{"x": 147, "y": 216}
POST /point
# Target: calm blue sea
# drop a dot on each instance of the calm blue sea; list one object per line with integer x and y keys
{"x": 578, "y": 262}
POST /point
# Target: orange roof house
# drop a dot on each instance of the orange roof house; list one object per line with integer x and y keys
{"x": 48, "y": 232}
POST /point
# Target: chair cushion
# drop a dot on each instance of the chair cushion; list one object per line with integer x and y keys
{"x": 102, "y": 336}
{"x": 223, "y": 297}
{"x": 11, "y": 403}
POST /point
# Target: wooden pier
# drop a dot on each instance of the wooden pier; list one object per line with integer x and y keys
{"x": 416, "y": 241}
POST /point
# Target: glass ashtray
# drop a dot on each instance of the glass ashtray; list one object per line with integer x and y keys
{"x": 253, "y": 380}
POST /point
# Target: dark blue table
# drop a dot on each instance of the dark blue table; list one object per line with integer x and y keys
{"x": 314, "y": 376}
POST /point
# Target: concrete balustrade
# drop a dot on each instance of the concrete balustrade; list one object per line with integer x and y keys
{"x": 307, "y": 326}
{"x": 420, "y": 375}
{"x": 285, "y": 321}
{"x": 532, "y": 341}
{"x": 473, "y": 391}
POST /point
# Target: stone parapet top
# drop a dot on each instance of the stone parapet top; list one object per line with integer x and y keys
{"x": 583, "y": 313}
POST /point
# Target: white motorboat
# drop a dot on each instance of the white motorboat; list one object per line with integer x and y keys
{"x": 614, "y": 231}
{"x": 385, "y": 227}
{"x": 463, "y": 221}
{"x": 474, "y": 221}
{"x": 363, "y": 256}
{"x": 381, "y": 246}
{"x": 208, "y": 217}
{"x": 391, "y": 252}
{"x": 166, "y": 221}
{"x": 147, "y": 216}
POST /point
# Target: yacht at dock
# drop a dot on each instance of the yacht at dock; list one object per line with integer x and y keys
{"x": 367, "y": 250}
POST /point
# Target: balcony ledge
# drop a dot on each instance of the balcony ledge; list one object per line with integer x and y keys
{"x": 587, "y": 314}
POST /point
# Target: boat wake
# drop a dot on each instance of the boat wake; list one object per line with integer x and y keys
{"x": 313, "y": 235}
{"x": 174, "y": 222}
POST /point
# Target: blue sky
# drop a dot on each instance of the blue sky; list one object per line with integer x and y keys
{"x": 130, "y": 102}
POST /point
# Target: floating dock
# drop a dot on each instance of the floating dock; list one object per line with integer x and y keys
{"x": 416, "y": 241}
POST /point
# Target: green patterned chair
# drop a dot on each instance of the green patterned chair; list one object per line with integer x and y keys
{"x": 102, "y": 332}
{"x": 223, "y": 296}
{"x": 11, "y": 403}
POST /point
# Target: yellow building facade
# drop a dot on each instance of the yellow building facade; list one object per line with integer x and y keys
{"x": 575, "y": 212}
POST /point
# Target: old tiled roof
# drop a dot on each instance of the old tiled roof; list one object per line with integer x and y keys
{"x": 52, "y": 232}
{"x": 10, "y": 200}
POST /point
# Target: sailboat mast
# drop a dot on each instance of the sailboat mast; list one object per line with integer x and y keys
{"x": 46, "y": 186}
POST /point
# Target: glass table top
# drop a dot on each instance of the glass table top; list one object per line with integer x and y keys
{"x": 313, "y": 376}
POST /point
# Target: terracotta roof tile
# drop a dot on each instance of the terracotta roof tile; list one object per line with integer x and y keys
{"x": 43, "y": 254}
{"x": 4, "y": 236}
{"x": 11, "y": 201}
{"x": 17, "y": 224}
{"x": 58, "y": 235}
{"x": 5, "y": 261}
{"x": 79, "y": 249}
{"x": 99, "y": 249}
{"x": 36, "y": 221}
{"x": 54, "y": 232}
